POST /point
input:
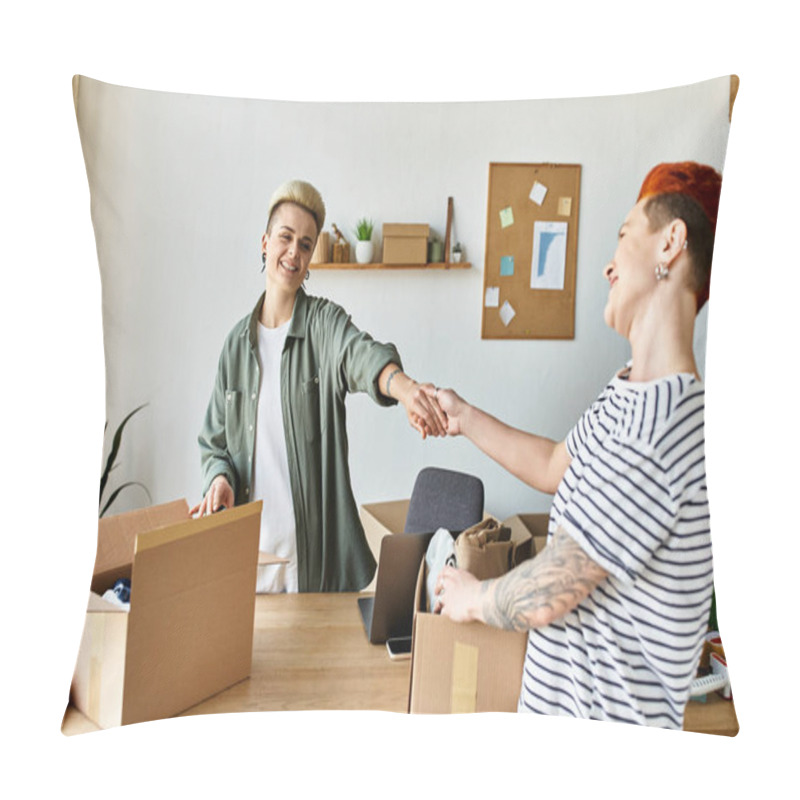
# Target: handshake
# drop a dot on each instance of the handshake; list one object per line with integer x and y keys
{"x": 433, "y": 411}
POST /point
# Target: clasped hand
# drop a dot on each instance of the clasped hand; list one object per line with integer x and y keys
{"x": 434, "y": 411}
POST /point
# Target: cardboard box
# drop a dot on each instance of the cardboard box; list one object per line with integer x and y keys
{"x": 529, "y": 534}
{"x": 189, "y": 631}
{"x": 382, "y": 518}
{"x": 470, "y": 667}
{"x": 378, "y": 520}
{"x": 405, "y": 244}
{"x": 462, "y": 667}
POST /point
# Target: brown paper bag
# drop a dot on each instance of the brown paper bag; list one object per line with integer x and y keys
{"x": 485, "y": 549}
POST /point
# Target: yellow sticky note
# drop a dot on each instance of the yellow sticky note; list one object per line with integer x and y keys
{"x": 507, "y": 217}
{"x": 565, "y": 206}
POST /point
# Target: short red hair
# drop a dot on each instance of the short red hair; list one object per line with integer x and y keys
{"x": 689, "y": 191}
{"x": 698, "y": 181}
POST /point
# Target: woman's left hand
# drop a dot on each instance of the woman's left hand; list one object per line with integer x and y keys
{"x": 457, "y": 595}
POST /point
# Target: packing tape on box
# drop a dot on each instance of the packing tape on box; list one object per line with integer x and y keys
{"x": 464, "y": 683}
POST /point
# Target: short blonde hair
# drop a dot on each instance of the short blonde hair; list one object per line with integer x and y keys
{"x": 300, "y": 193}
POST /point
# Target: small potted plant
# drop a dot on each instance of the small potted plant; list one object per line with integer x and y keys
{"x": 363, "y": 231}
{"x": 458, "y": 252}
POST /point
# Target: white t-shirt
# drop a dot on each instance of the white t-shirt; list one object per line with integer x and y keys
{"x": 271, "y": 468}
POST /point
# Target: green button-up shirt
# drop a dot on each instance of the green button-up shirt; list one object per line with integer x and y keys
{"x": 324, "y": 357}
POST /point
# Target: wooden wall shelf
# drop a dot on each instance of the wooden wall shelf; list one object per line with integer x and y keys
{"x": 438, "y": 265}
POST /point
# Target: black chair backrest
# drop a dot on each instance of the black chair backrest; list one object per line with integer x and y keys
{"x": 443, "y": 498}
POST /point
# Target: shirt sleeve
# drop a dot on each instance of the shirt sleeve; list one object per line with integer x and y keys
{"x": 358, "y": 358}
{"x": 621, "y": 510}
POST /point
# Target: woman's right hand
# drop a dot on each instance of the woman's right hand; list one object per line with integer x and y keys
{"x": 219, "y": 495}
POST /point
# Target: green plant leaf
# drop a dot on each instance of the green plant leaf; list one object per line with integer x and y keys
{"x": 116, "y": 492}
{"x": 363, "y": 229}
{"x": 112, "y": 456}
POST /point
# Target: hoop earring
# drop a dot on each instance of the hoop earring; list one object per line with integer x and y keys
{"x": 305, "y": 278}
{"x": 662, "y": 271}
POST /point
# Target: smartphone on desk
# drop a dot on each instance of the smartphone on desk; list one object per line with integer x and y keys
{"x": 399, "y": 647}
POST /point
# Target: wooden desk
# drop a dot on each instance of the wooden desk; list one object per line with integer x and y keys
{"x": 310, "y": 653}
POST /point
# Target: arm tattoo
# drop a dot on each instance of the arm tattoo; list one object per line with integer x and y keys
{"x": 543, "y": 589}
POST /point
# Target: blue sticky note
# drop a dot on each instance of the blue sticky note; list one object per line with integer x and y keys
{"x": 507, "y": 265}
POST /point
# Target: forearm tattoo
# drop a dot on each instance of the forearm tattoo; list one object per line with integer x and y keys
{"x": 543, "y": 589}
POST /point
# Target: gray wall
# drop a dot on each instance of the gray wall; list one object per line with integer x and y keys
{"x": 179, "y": 188}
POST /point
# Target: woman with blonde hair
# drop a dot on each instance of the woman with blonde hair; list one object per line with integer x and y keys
{"x": 275, "y": 428}
{"x": 617, "y": 604}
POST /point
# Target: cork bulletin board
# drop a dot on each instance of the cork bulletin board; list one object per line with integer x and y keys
{"x": 531, "y": 251}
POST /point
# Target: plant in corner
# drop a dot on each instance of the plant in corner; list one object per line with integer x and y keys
{"x": 111, "y": 464}
{"x": 363, "y": 232}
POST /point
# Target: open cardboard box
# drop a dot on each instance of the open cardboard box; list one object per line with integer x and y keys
{"x": 189, "y": 631}
{"x": 529, "y": 534}
{"x": 461, "y": 667}
{"x": 528, "y": 531}
{"x": 380, "y": 519}
{"x": 470, "y": 667}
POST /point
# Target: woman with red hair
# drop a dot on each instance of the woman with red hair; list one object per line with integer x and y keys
{"x": 617, "y": 604}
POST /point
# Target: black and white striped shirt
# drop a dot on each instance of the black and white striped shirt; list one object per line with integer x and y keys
{"x": 634, "y": 497}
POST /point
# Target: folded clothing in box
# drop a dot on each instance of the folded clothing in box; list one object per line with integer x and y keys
{"x": 485, "y": 549}
{"x": 119, "y": 593}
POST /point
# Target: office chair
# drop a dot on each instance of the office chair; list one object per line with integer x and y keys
{"x": 443, "y": 498}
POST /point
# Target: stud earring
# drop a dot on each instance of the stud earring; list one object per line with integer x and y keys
{"x": 662, "y": 271}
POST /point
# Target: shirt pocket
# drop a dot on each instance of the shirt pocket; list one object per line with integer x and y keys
{"x": 309, "y": 409}
{"x": 234, "y": 422}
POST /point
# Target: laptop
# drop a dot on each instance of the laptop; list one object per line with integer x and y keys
{"x": 389, "y": 613}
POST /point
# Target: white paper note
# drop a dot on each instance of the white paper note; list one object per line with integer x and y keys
{"x": 538, "y": 192}
{"x": 492, "y": 297}
{"x": 507, "y": 313}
